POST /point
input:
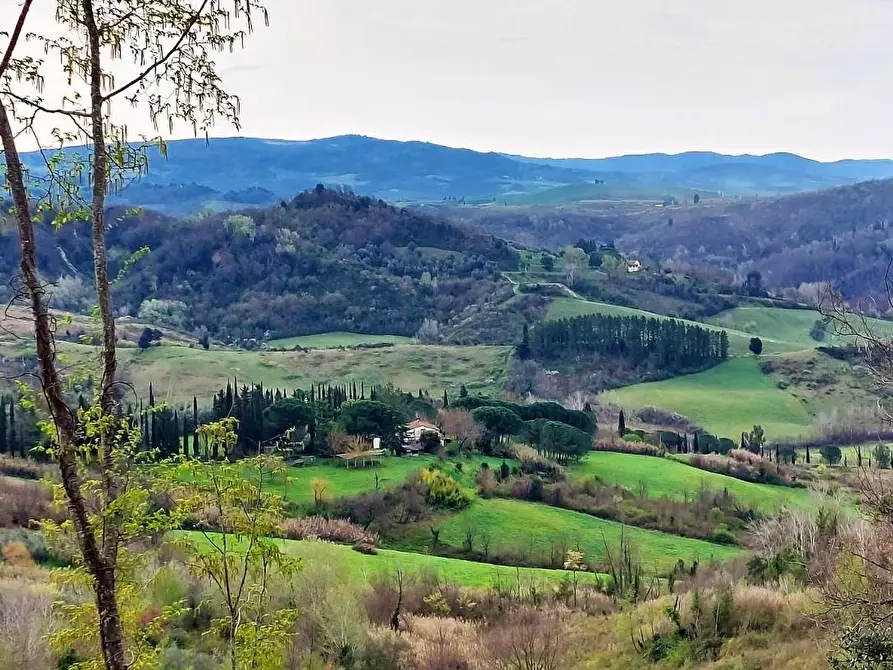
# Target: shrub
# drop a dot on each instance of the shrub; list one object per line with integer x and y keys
{"x": 882, "y": 457}
{"x": 742, "y": 465}
{"x": 444, "y": 491}
{"x": 723, "y": 535}
{"x": 627, "y": 447}
{"x": 22, "y": 468}
{"x": 333, "y": 530}
{"x": 365, "y": 548}
{"x": 486, "y": 482}
{"x": 831, "y": 454}
{"x": 17, "y": 555}
{"x": 24, "y": 501}
{"x": 533, "y": 463}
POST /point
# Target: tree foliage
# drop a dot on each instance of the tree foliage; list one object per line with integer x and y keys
{"x": 665, "y": 344}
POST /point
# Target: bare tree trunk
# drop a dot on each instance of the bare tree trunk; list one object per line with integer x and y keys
{"x": 63, "y": 418}
{"x": 100, "y": 189}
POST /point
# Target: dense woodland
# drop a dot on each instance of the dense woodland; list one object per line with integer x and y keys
{"x": 327, "y": 260}
{"x": 663, "y": 345}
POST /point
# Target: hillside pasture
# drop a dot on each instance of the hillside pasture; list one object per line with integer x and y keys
{"x": 538, "y": 530}
{"x": 725, "y": 400}
{"x": 790, "y": 326}
{"x": 177, "y": 372}
{"x": 669, "y": 478}
{"x": 363, "y": 568}
{"x": 295, "y": 484}
{"x": 336, "y": 341}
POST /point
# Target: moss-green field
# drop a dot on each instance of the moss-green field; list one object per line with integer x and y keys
{"x": 669, "y": 478}
{"x": 726, "y": 400}
{"x": 336, "y": 340}
{"x": 536, "y": 529}
{"x": 365, "y": 568}
{"x": 790, "y": 326}
{"x": 295, "y": 484}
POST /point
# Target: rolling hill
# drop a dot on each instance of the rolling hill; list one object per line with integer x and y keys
{"x": 324, "y": 261}
{"x": 229, "y": 173}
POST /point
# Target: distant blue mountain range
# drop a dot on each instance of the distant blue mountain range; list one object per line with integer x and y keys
{"x": 236, "y": 172}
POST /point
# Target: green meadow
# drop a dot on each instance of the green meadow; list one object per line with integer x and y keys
{"x": 366, "y": 568}
{"x": 726, "y": 400}
{"x": 336, "y": 340}
{"x": 536, "y": 529}
{"x": 669, "y": 478}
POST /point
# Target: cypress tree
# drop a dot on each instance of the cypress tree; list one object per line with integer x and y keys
{"x": 195, "y": 427}
{"x": 3, "y": 439}
{"x": 807, "y": 454}
{"x": 695, "y": 447}
{"x": 185, "y": 437}
{"x": 13, "y": 439}
{"x": 621, "y": 424}
{"x": 446, "y": 400}
{"x": 859, "y": 456}
{"x": 776, "y": 454}
{"x": 153, "y": 437}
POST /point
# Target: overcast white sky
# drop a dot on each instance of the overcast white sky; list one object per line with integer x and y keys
{"x": 571, "y": 77}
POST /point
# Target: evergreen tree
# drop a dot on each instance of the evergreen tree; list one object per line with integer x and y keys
{"x": 4, "y": 445}
{"x": 13, "y": 438}
{"x": 195, "y": 448}
{"x": 153, "y": 420}
{"x": 522, "y": 351}
{"x": 807, "y": 454}
{"x": 695, "y": 447}
{"x": 446, "y": 400}
{"x": 463, "y": 392}
{"x": 621, "y": 424}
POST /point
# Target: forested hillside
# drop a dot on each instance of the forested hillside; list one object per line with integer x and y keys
{"x": 325, "y": 261}
{"x": 842, "y": 234}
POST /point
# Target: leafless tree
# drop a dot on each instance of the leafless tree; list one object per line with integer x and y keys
{"x": 460, "y": 425}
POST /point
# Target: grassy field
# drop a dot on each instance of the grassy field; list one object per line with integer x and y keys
{"x": 739, "y": 341}
{"x": 364, "y": 568}
{"x": 726, "y": 400}
{"x": 668, "y": 478}
{"x": 336, "y": 340}
{"x": 351, "y": 481}
{"x": 177, "y": 373}
{"x": 535, "y": 529}
{"x": 790, "y": 326}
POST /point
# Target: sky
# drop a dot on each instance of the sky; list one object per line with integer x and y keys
{"x": 584, "y": 78}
